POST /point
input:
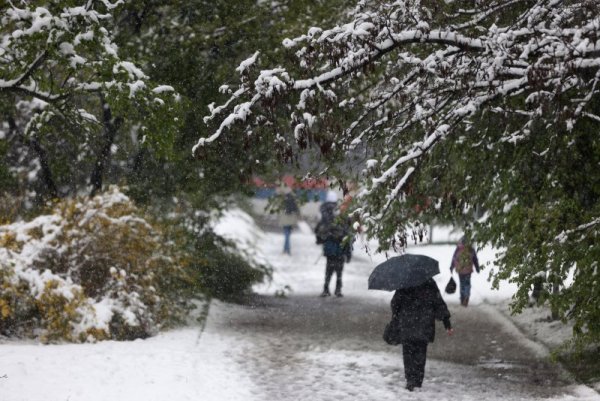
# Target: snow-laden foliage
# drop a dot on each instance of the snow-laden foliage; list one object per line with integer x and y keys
{"x": 219, "y": 249}
{"x": 240, "y": 228}
{"x": 51, "y": 54}
{"x": 92, "y": 269}
{"x": 429, "y": 75}
{"x": 444, "y": 108}
{"x": 63, "y": 83}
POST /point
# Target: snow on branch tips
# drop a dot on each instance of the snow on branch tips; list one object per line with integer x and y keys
{"x": 401, "y": 71}
{"x": 591, "y": 226}
{"x": 61, "y": 54}
{"x": 246, "y": 64}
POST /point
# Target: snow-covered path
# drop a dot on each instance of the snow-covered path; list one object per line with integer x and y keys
{"x": 170, "y": 366}
{"x": 309, "y": 348}
{"x": 301, "y": 347}
{"x": 302, "y": 352}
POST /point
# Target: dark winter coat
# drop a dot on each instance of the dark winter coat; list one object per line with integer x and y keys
{"x": 289, "y": 204}
{"x": 416, "y": 310}
{"x": 333, "y": 232}
{"x": 291, "y": 212}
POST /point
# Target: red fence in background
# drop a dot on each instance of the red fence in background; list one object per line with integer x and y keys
{"x": 291, "y": 182}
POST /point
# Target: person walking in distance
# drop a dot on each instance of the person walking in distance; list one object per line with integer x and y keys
{"x": 463, "y": 261}
{"x": 332, "y": 233}
{"x": 288, "y": 219}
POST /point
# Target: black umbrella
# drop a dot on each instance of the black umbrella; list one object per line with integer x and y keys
{"x": 403, "y": 272}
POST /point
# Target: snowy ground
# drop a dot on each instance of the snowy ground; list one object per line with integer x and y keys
{"x": 299, "y": 347}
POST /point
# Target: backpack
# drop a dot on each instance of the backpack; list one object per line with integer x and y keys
{"x": 328, "y": 230}
{"x": 332, "y": 248}
{"x": 321, "y": 232}
{"x": 464, "y": 260}
{"x": 331, "y": 235}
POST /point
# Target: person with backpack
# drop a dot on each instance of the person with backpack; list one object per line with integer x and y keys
{"x": 333, "y": 233}
{"x": 464, "y": 260}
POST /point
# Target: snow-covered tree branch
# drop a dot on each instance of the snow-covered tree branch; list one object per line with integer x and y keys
{"x": 547, "y": 54}
{"x": 448, "y": 106}
{"x": 57, "y": 60}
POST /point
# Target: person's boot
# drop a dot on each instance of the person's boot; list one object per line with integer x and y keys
{"x": 325, "y": 292}
{"x": 466, "y": 302}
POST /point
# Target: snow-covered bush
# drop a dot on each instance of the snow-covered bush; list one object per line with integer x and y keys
{"x": 240, "y": 263}
{"x": 93, "y": 269}
{"x": 239, "y": 227}
{"x": 218, "y": 250}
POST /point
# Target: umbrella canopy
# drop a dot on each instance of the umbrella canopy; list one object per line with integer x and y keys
{"x": 402, "y": 272}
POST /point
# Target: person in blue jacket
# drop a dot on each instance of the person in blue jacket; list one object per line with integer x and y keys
{"x": 333, "y": 233}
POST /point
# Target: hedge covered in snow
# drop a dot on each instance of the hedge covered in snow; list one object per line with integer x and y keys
{"x": 92, "y": 269}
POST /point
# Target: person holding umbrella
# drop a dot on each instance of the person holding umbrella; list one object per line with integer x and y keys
{"x": 416, "y": 304}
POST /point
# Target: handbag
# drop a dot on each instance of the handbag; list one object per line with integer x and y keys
{"x": 451, "y": 286}
{"x": 391, "y": 333}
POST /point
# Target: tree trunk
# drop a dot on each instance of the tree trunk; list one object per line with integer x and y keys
{"x": 136, "y": 167}
{"x": 45, "y": 166}
{"x": 111, "y": 126}
{"x": 38, "y": 149}
{"x": 554, "y": 309}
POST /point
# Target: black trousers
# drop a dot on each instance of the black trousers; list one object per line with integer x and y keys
{"x": 414, "y": 354}
{"x": 334, "y": 264}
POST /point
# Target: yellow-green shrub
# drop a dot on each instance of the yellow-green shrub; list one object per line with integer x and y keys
{"x": 93, "y": 269}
